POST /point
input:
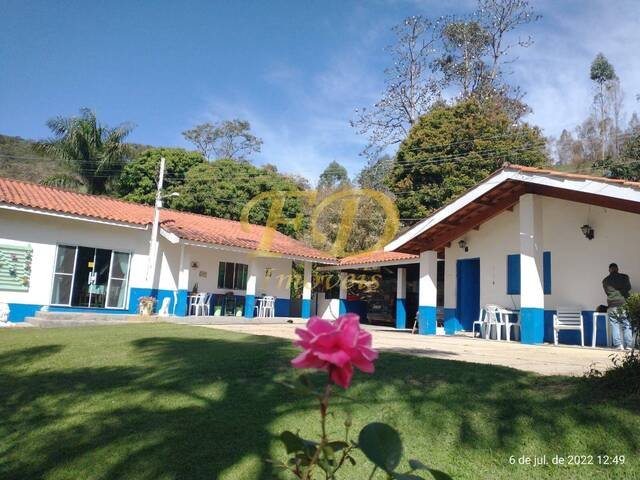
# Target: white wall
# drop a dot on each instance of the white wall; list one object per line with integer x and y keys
{"x": 578, "y": 265}
{"x": 44, "y": 232}
{"x": 208, "y": 260}
{"x": 492, "y": 243}
{"x": 329, "y": 309}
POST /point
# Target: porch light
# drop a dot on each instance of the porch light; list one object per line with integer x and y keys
{"x": 463, "y": 244}
{"x": 587, "y": 231}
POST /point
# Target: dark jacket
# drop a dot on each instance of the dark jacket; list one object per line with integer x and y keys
{"x": 617, "y": 288}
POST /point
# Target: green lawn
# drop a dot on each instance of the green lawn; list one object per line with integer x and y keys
{"x": 169, "y": 401}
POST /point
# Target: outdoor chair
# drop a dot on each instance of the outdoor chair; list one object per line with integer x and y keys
{"x": 568, "y": 319}
{"x": 200, "y": 305}
{"x": 493, "y": 321}
{"x": 229, "y": 303}
{"x": 482, "y": 324}
{"x": 269, "y": 308}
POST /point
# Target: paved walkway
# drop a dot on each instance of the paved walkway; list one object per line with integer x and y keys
{"x": 542, "y": 359}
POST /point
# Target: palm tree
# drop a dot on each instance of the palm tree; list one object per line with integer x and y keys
{"x": 93, "y": 153}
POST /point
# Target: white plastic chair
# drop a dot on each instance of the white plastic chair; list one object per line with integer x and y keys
{"x": 494, "y": 320}
{"x": 568, "y": 319}
{"x": 482, "y": 324}
{"x": 201, "y": 304}
{"x": 507, "y": 319}
{"x": 269, "y": 306}
{"x": 258, "y": 308}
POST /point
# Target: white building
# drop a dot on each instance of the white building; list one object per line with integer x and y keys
{"x": 527, "y": 239}
{"x": 71, "y": 252}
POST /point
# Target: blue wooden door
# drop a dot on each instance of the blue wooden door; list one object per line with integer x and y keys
{"x": 468, "y": 291}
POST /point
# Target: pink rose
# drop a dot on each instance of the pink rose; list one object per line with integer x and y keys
{"x": 335, "y": 347}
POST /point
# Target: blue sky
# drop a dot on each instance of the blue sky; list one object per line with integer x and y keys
{"x": 295, "y": 69}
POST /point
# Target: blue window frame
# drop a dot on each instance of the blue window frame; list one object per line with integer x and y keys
{"x": 513, "y": 273}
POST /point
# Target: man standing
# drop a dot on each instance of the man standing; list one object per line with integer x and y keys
{"x": 617, "y": 288}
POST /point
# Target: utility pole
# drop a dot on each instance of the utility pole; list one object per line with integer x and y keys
{"x": 153, "y": 246}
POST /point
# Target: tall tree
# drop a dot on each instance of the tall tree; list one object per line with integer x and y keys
{"x": 375, "y": 174}
{"x": 335, "y": 175}
{"x": 431, "y": 57}
{"x": 452, "y": 148}
{"x": 409, "y": 88}
{"x": 565, "y": 148}
{"x": 226, "y": 139}
{"x": 138, "y": 180}
{"x": 602, "y": 73}
{"x": 223, "y": 187}
{"x": 92, "y": 153}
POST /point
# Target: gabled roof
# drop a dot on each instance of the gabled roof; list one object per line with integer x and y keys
{"x": 501, "y": 191}
{"x": 186, "y": 226}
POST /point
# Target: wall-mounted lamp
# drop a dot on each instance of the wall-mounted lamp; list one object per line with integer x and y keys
{"x": 463, "y": 244}
{"x": 587, "y": 231}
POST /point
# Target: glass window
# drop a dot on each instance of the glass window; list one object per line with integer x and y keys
{"x": 65, "y": 259}
{"x": 63, "y": 275}
{"x": 61, "y": 289}
{"x": 120, "y": 265}
{"x": 117, "y": 291}
{"x": 241, "y": 276}
{"x": 232, "y": 276}
{"x": 119, "y": 270}
{"x": 221, "y": 270}
{"x": 228, "y": 275}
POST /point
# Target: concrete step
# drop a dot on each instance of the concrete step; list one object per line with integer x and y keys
{"x": 72, "y": 319}
{"x": 80, "y": 316}
{"x": 53, "y": 323}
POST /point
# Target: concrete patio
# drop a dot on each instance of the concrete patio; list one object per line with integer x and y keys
{"x": 542, "y": 359}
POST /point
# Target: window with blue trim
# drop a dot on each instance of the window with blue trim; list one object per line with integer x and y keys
{"x": 513, "y": 273}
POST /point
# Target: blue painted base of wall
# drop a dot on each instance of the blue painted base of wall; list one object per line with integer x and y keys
{"x": 358, "y": 307}
{"x": 249, "y": 305}
{"x": 181, "y": 305}
{"x": 283, "y": 307}
{"x": 19, "y": 311}
{"x": 451, "y": 322}
{"x": 572, "y": 337}
{"x": 401, "y": 313}
{"x": 306, "y": 308}
{"x": 427, "y": 320}
{"x": 532, "y": 325}
{"x": 342, "y": 308}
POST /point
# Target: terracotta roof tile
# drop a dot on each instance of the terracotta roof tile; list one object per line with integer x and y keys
{"x": 58, "y": 200}
{"x": 377, "y": 257}
{"x": 189, "y": 226}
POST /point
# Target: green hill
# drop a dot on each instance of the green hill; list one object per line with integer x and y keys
{"x": 19, "y": 160}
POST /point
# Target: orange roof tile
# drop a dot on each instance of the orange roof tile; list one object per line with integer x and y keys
{"x": 58, "y": 200}
{"x": 378, "y": 256}
{"x": 188, "y": 226}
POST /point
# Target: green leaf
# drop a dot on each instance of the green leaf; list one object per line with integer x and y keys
{"x": 382, "y": 445}
{"x": 292, "y": 442}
